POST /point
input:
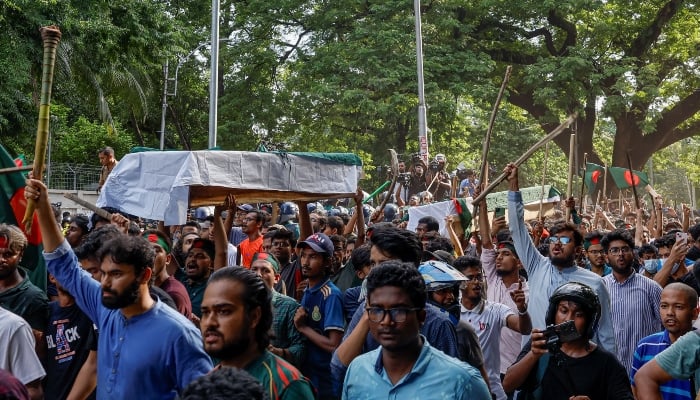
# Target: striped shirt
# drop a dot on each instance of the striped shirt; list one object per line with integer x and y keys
{"x": 647, "y": 349}
{"x": 635, "y": 312}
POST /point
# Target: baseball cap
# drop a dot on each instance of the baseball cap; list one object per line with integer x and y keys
{"x": 319, "y": 243}
{"x": 246, "y": 207}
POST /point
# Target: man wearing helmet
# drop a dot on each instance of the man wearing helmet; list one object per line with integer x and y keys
{"x": 442, "y": 284}
{"x": 561, "y": 363}
{"x": 289, "y": 215}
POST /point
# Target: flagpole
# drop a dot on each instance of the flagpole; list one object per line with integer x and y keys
{"x": 605, "y": 185}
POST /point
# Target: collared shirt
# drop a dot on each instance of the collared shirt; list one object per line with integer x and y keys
{"x": 488, "y": 319}
{"x": 607, "y": 270}
{"x": 544, "y": 277}
{"x": 434, "y": 375}
{"x": 195, "y": 290}
{"x": 497, "y": 292}
{"x": 148, "y": 356}
{"x": 648, "y": 348}
{"x": 635, "y": 312}
{"x": 27, "y": 301}
{"x": 17, "y": 355}
{"x": 286, "y": 335}
{"x": 438, "y": 328}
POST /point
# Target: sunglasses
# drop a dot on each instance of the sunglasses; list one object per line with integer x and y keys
{"x": 564, "y": 240}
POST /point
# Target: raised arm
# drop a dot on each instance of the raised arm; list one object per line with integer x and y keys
{"x": 220, "y": 239}
{"x": 51, "y": 234}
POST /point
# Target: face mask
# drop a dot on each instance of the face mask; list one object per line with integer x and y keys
{"x": 652, "y": 266}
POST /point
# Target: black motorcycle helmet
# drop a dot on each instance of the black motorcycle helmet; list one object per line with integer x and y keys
{"x": 581, "y": 294}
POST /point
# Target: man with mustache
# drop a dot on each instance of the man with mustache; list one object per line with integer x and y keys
{"x": 236, "y": 322}
{"x": 140, "y": 338}
{"x": 634, "y": 297}
{"x": 547, "y": 273}
{"x": 679, "y": 308}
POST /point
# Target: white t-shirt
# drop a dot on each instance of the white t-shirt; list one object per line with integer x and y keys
{"x": 488, "y": 324}
{"x": 17, "y": 353}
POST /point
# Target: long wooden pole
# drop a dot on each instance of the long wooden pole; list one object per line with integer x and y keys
{"x": 551, "y": 135}
{"x": 572, "y": 166}
{"x": 582, "y": 209}
{"x": 50, "y": 36}
{"x": 544, "y": 175}
{"x": 487, "y": 140}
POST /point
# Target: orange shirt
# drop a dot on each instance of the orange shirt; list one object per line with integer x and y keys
{"x": 247, "y": 250}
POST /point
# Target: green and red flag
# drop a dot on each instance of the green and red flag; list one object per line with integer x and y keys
{"x": 624, "y": 178}
{"x": 12, "y": 208}
{"x": 594, "y": 173}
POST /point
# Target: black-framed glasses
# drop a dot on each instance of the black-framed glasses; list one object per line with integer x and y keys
{"x": 398, "y": 314}
{"x": 617, "y": 250}
{"x": 564, "y": 240}
{"x": 596, "y": 252}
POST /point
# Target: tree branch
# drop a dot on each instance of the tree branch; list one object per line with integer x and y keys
{"x": 681, "y": 111}
{"x": 648, "y": 36}
{"x": 570, "y": 29}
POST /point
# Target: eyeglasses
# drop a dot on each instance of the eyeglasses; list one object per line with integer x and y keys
{"x": 398, "y": 315}
{"x": 617, "y": 250}
{"x": 471, "y": 279}
{"x": 564, "y": 240}
{"x": 596, "y": 252}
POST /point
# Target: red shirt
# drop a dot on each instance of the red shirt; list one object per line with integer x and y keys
{"x": 247, "y": 250}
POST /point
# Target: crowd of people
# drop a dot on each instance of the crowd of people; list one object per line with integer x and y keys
{"x": 331, "y": 300}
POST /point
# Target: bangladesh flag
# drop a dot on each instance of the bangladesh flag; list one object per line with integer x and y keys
{"x": 594, "y": 173}
{"x": 625, "y": 179}
{"x": 12, "y": 207}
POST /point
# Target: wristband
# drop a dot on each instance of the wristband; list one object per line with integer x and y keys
{"x": 522, "y": 313}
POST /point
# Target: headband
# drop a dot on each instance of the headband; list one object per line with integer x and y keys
{"x": 509, "y": 246}
{"x": 153, "y": 238}
{"x": 269, "y": 258}
{"x": 4, "y": 242}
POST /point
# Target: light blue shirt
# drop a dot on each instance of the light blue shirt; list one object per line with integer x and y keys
{"x": 434, "y": 375}
{"x": 149, "y": 356}
{"x": 544, "y": 277}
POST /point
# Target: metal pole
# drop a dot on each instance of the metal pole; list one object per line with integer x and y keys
{"x": 214, "y": 78}
{"x": 164, "y": 106}
{"x": 422, "y": 118}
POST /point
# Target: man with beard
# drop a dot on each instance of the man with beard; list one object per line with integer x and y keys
{"x": 171, "y": 286}
{"x": 502, "y": 266}
{"x": 442, "y": 283}
{"x": 252, "y": 226}
{"x": 405, "y": 365}
{"x": 547, "y": 273}
{"x": 17, "y": 293}
{"x": 179, "y": 256}
{"x": 198, "y": 266}
{"x": 488, "y": 318}
{"x": 679, "y": 308}
{"x": 595, "y": 254}
{"x": 635, "y": 298}
{"x": 140, "y": 338}
{"x": 236, "y": 320}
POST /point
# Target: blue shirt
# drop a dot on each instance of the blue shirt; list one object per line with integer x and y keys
{"x": 682, "y": 359}
{"x": 437, "y": 328}
{"x": 544, "y": 277}
{"x": 648, "y": 348}
{"x": 434, "y": 375}
{"x": 324, "y": 307}
{"x": 149, "y": 356}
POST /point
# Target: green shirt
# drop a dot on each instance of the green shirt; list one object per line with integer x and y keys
{"x": 285, "y": 334}
{"x": 279, "y": 378}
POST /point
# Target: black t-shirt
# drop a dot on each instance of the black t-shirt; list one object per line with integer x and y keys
{"x": 597, "y": 375}
{"x": 70, "y": 336}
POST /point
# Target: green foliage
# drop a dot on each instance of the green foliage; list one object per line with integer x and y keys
{"x": 80, "y": 142}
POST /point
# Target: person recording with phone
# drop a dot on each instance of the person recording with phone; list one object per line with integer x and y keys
{"x": 674, "y": 265}
{"x": 561, "y": 361}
